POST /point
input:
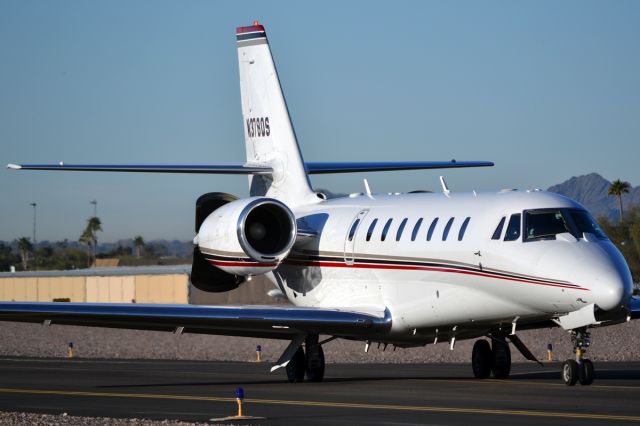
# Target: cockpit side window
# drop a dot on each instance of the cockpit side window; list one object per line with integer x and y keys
{"x": 498, "y": 232}
{"x": 545, "y": 224}
{"x": 586, "y": 223}
{"x": 513, "y": 229}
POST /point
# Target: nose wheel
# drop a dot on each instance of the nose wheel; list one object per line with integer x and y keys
{"x": 581, "y": 369}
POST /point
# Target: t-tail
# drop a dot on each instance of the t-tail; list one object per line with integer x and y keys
{"x": 274, "y": 163}
{"x": 268, "y": 132}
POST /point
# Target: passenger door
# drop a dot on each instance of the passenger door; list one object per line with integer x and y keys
{"x": 352, "y": 232}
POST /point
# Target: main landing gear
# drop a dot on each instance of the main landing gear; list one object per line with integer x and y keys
{"x": 495, "y": 359}
{"x": 578, "y": 370}
{"x": 308, "y": 361}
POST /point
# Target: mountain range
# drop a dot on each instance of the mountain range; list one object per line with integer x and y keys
{"x": 592, "y": 192}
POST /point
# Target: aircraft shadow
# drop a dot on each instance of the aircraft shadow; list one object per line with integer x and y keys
{"x": 599, "y": 375}
{"x": 621, "y": 375}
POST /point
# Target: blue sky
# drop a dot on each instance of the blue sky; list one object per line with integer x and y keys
{"x": 546, "y": 89}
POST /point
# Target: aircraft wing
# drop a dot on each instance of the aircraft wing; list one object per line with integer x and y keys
{"x": 249, "y": 321}
{"x": 381, "y": 166}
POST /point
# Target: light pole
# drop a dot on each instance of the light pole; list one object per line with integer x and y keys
{"x": 34, "y": 222}
{"x": 95, "y": 207}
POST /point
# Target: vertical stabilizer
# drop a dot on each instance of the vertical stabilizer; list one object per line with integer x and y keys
{"x": 269, "y": 135}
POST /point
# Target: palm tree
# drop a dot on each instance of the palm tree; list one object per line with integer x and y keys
{"x": 139, "y": 243}
{"x": 85, "y": 238}
{"x": 90, "y": 237}
{"x": 618, "y": 188}
{"x": 25, "y": 247}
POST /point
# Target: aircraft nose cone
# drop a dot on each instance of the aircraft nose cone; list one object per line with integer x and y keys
{"x": 610, "y": 291}
{"x": 611, "y": 281}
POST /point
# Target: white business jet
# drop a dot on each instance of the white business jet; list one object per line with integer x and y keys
{"x": 395, "y": 269}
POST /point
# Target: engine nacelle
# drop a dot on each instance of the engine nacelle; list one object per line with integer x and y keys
{"x": 205, "y": 276}
{"x": 250, "y": 236}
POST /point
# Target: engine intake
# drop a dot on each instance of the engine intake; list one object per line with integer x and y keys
{"x": 249, "y": 236}
{"x": 266, "y": 230}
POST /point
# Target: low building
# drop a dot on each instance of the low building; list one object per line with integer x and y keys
{"x": 141, "y": 284}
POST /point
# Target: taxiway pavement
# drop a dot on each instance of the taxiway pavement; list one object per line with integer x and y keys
{"x": 401, "y": 394}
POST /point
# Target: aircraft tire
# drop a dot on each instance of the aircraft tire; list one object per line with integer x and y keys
{"x": 481, "y": 359}
{"x": 295, "y": 368}
{"x": 315, "y": 367}
{"x": 569, "y": 372}
{"x": 585, "y": 374}
{"x": 501, "y": 359}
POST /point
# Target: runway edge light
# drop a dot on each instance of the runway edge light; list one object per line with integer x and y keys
{"x": 240, "y": 415}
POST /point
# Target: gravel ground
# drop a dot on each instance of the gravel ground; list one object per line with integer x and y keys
{"x": 63, "y": 419}
{"x": 615, "y": 343}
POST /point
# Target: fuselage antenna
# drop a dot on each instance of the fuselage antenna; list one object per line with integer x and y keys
{"x": 367, "y": 189}
{"x": 445, "y": 188}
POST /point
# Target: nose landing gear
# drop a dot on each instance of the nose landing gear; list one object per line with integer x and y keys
{"x": 578, "y": 370}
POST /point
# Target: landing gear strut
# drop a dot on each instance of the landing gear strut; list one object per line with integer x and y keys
{"x": 309, "y": 361}
{"x": 580, "y": 369}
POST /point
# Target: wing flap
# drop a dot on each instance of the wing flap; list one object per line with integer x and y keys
{"x": 248, "y": 321}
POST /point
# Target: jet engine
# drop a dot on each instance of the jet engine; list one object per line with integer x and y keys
{"x": 250, "y": 236}
{"x": 205, "y": 276}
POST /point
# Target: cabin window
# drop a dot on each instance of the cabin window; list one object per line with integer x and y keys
{"x": 352, "y": 231}
{"x": 498, "y": 232}
{"x": 386, "y": 229}
{"x": 432, "y": 228}
{"x": 463, "y": 228}
{"x": 416, "y": 228}
{"x": 447, "y": 228}
{"x": 401, "y": 228}
{"x": 371, "y": 227}
{"x": 513, "y": 229}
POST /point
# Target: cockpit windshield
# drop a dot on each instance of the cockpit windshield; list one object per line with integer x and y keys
{"x": 545, "y": 224}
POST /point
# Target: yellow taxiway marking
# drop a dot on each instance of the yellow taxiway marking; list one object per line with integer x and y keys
{"x": 423, "y": 408}
{"x": 503, "y": 382}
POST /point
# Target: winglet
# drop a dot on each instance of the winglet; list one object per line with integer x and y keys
{"x": 14, "y": 166}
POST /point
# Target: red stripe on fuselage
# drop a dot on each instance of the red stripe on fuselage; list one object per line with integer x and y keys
{"x": 424, "y": 268}
{"x": 244, "y": 264}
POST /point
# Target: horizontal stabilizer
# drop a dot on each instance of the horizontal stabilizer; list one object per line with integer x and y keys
{"x": 220, "y": 168}
{"x": 381, "y": 166}
{"x": 253, "y": 169}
